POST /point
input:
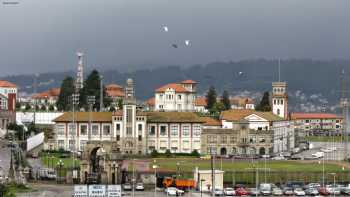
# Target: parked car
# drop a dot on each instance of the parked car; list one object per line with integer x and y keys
{"x": 265, "y": 189}
{"x": 278, "y": 158}
{"x": 218, "y": 192}
{"x": 312, "y": 191}
{"x": 323, "y": 191}
{"x": 277, "y": 191}
{"x": 173, "y": 191}
{"x": 127, "y": 187}
{"x": 254, "y": 191}
{"x": 299, "y": 192}
{"x": 288, "y": 191}
{"x": 239, "y": 186}
{"x": 241, "y": 192}
{"x": 345, "y": 191}
{"x": 333, "y": 190}
{"x": 312, "y": 185}
{"x": 139, "y": 187}
{"x": 229, "y": 191}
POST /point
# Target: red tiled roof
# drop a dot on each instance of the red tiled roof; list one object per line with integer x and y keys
{"x": 115, "y": 90}
{"x": 177, "y": 87}
{"x": 114, "y": 86}
{"x": 240, "y": 114}
{"x": 208, "y": 121}
{"x": 200, "y": 101}
{"x": 54, "y": 92}
{"x": 188, "y": 81}
{"x": 7, "y": 84}
{"x": 151, "y": 101}
{"x": 295, "y": 116}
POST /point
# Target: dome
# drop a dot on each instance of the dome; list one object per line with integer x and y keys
{"x": 129, "y": 81}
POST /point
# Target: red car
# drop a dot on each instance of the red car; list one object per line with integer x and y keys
{"x": 323, "y": 191}
{"x": 241, "y": 192}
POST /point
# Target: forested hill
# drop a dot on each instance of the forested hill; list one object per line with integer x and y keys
{"x": 305, "y": 76}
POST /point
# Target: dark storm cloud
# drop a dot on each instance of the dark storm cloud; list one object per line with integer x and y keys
{"x": 40, "y": 35}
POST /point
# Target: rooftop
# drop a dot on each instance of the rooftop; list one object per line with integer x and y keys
{"x": 209, "y": 121}
{"x": 185, "y": 117}
{"x": 177, "y": 87}
{"x": 85, "y": 117}
{"x": 240, "y": 114}
{"x": 7, "y": 84}
{"x": 295, "y": 116}
{"x": 188, "y": 81}
{"x": 200, "y": 101}
{"x": 53, "y": 92}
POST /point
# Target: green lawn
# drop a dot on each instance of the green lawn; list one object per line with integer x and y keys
{"x": 187, "y": 165}
{"x": 51, "y": 160}
{"x": 324, "y": 138}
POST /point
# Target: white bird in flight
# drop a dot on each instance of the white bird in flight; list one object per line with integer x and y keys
{"x": 187, "y": 42}
{"x": 165, "y": 28}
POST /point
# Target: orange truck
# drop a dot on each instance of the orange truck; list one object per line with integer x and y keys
{"x": 179, "y": 183}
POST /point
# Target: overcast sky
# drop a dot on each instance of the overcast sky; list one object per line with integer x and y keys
{"x": 44, "y": 35}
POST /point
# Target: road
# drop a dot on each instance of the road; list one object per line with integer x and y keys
{"x": 67, "y": 191}
{"x": 333, "y": 155}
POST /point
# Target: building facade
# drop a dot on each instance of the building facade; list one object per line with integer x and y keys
{"x": 8, "y": 95}
{"x": 46, "y": 98}
{"x": 176, "y": 96}
{"x": 279, "y": 99}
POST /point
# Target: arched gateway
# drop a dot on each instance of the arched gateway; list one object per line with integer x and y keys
{"x": 100, "y": 163}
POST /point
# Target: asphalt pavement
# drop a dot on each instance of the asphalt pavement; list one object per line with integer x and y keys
{"x": 5, "y": 157}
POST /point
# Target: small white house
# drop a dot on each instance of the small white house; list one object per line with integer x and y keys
{"x": 203, "y": 179}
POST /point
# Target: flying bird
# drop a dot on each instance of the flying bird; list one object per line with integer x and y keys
{"x": 165, "y": 28}
{"x": 174, "y": 45}
{"x": 187, "y": 42}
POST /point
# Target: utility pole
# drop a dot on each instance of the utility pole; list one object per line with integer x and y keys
{"x": 345, "y": 104}
{"x": 34, "y": 92}
{"x": 101, "y": 93}
{"x": 212, "y": 153}
{"x": 75, "y": 101}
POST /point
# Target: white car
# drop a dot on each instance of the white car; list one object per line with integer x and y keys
{"x": 326, "y": 150}
{"x": 299, "y": 192}
{"x": 277, "y": 191}
{"x": 139, "y": 187}
{"x": 229, "y": 191}
{"x": 333, "y": 190}
{"x": 218, "y": 192}
{"x": 173, "y": 191}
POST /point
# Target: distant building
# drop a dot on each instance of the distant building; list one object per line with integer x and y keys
{"x": 115, "y": 92}
{"x": 200, "y": 104}
{"x": 242, "y": 103}
{"x": 8, "y": 95}
{"x": 46, "y": 98}
{"x": 149, "y": 104}
{"x": 311, "y": 123}
{"x": 176, "y": 96}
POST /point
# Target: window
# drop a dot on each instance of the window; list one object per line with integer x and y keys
{"x": 186, "y": 145}
{"x": 278, "y": 111}
{"x": 174, "y": 130}
{"x": 118, "y": 127}
{"x": 211, "y": 139}
{"x": 72, "y": 129}
{"x": 72, "y": 145}
{"x": 281, "y": 101}
{"x": 185, "y": 130}
{"x": 95, "y": 130}
{"x": 274, "y": 101}
{"x": 179, "y": 106}
{"x": 60, "y": 129}
{"x": 262, "y": 140}
{"x": 307, "y": 121}
{"x": 233, "y": 139}
{"x": 118, "y": 137}
{"x": 223, "y": 139}
{"x": 139, "y": 127}
{"x": 162, "y": 130}
{"x": 160, "y": 106}
{"x": 140, "y": 137}
{"x": 106, "y": 129}
{"x": 179, "y": 97}
{"x": 61, "y": 144}
{"x": 152, "y": 130}
{"x": 82, "y": 144}
{"x": 197, "y": 130}
{"x": 83, "y": 129}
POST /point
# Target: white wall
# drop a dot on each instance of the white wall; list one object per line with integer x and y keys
{"x": 35, "y": 141}
{"x": 40, "y": 117}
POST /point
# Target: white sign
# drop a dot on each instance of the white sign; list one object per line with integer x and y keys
{"x": 97, "y": 191}
{"x": 80, "y": 191}
{"x": 114, "y": 191}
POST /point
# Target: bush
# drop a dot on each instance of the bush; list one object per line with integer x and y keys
{"x": 154, "y": 153}
{"x": 167, "y": 153}
{"x": 195, "y": 153}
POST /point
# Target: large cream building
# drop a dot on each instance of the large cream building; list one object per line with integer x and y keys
{"x": 133, "y": 132}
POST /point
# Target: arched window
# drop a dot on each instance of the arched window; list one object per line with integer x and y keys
{"x": 278, "y": 111}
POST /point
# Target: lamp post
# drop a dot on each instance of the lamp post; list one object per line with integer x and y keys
{"x": 59, "y": 164}
{"x": 113, "y": 178}
{"x": 91, "y": 101}
{"x": 133, "y": 178}
{"x": 202, "y": 180}
{"x": 155, "y": 176}
{"x": 75, "y": 101}
{"x": 333, "y": 174}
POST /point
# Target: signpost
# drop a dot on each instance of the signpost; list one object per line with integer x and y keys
{"x": 80, "y": 191}
{"x": 114, "y": 191}
{"x": 97, "y": 190}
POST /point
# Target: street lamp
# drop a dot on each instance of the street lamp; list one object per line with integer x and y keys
{"x": 91, "y": 101}
{"x": 155, "y": 176}
{"x": 202, "y": 180}
{"x": 75, "y": 101}
{"x": 333, "y": 174}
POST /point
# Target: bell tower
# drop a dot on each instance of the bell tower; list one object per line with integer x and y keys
{"x": 280, "y": 99}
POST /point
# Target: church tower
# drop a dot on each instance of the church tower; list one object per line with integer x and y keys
{"x": 280, "y": 99}
{"x": 79, "y": 83}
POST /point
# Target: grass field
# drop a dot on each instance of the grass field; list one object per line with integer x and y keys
{"x": 324, "y": 138}
{"x": 187, "y": 165}
{"x": 51, "y": 160}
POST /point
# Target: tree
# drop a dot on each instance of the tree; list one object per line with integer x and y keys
{"x": 264, "y": 104}
{"x": 167, "y": 153}
{"x": 92, "y": 87}
{"x": 211, "y": 98}
{"x": 195, "y": 153}
{"x": 51, "y": 108}
{"x": 18, "y": 106}
{"x": 120, "y": 104}
{"x": 217, "y": 108}
{"x": 67, "y": 89}
{"x": 43, "y": 108}
{"x": 226, "y": 100}
{"x": 28, "y": 107}
{"x": 154, "y": 153}
{"x": 19, "y": 130}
